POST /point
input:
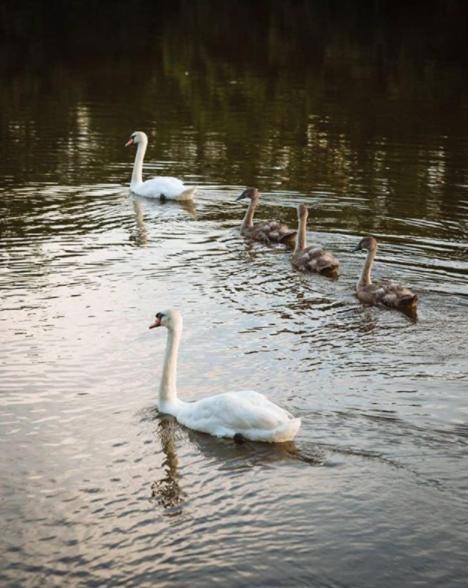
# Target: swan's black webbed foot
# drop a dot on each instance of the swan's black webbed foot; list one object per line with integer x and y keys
{"x": 162, "y": 197}
{"x": 239, "y": 439}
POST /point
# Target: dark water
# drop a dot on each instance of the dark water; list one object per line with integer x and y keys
{"x": 361, "y": 113}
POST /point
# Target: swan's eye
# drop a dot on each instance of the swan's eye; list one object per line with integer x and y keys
{"x": 159, "y": 315}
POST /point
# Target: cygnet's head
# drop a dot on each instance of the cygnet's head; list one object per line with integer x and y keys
{"x": 369, "y": 243}
{"x": 251, "y": 193}
{"x": 170, "y": 319}
{"x": 137, "y": 137}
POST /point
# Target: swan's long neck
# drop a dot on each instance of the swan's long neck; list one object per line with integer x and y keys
{"x": 301, "y": 242}
{"x": 365, "y": 279}
{"x": 137, "y": 174}
{"x": 247, "y": 223}
{"x": 167, "y": 388}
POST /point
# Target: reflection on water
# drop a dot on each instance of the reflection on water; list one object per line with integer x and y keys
{"x": 140, "y": 236}
{"x": 339, "y": 107}
{"x": 167, "y": 490}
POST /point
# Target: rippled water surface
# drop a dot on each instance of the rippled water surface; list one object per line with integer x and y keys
{"x": 97, "y": 487}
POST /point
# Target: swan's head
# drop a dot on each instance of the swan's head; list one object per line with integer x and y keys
{"x": 137, "y": 137}
{"x": 171, "y": 319}
{"x": 302, "y": 211}
{"x": 251, "y": 193}
{"x": 369, "y": 243}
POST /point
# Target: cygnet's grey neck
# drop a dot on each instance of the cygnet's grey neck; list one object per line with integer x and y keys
{"x": 301, "y": 242}
{"x": 247, "y": 223}
{"x": 365, "y": 279}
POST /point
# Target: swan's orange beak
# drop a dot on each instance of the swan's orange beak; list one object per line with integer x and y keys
{"x": 129, "y": 142}
{"x": 157, "y": 323}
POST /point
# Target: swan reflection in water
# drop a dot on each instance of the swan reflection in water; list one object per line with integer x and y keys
{"x": 167, "y": 491}
{"x": 139, "y": 235}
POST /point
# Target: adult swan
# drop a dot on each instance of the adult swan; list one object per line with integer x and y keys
{"x": 238, "y": 415}
{"x": 159, "y": 187}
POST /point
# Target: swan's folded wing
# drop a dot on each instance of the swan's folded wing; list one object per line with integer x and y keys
{"x": 161, "y": 185}
{"x": 234, "y": 412}
{"x": 397, "y": 296}
{"x": 253, "y": 410}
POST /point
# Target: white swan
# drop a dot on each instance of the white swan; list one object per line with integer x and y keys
{"x": 159, "y": 187}
{"x": 239, "y": 415}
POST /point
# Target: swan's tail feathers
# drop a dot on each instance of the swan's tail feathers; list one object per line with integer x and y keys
{"x": 329, "y": 269}
{"x": 409, "y": 301}
{"x": 239, "y": 438}
{"x": 289, "y": 239}
{"x": 187, "y": 194}
{"x": 286, "y": 432}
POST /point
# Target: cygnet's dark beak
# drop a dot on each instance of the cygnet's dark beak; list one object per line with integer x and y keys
{"x": 242, "y": 196}
{"x": 357, "y": 248}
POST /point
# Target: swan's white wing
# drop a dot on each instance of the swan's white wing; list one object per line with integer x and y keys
{"x": 247, "y": 413}
{"x": 155, "y": 187}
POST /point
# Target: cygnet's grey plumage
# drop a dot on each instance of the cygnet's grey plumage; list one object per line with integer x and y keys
{"x": 385, "y": 292}
{"x": 311, "y": 259}
{"x": 269, "y": 232}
